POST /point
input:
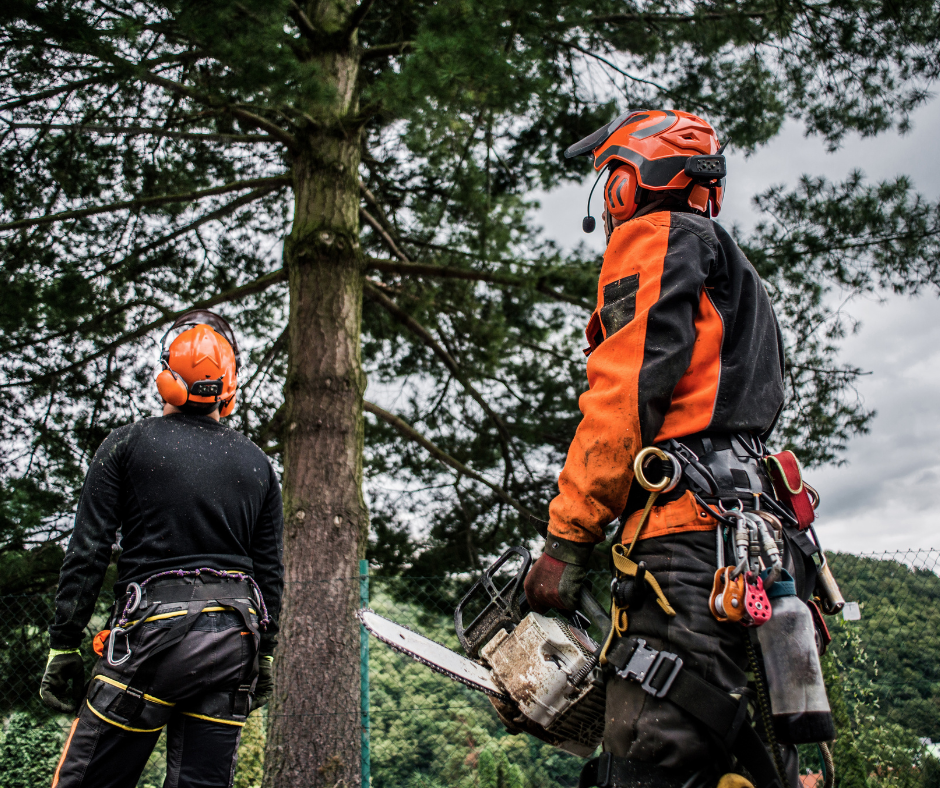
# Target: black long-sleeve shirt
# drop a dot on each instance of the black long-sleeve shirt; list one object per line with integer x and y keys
{"x": 185, "y": 492}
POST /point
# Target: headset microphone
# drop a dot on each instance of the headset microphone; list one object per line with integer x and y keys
{"x": 588, "y": 223}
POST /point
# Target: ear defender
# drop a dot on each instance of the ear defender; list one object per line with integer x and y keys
{"x": 227, "y": 407}
{"x": 172, "y": 388}
{"x": 620, "y": 193}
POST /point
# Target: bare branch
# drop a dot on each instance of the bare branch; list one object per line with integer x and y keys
{"x": 147, "y": 202}
{"x": 256, "y": 286}
{"x": 356, "y": 17}
{"x": 375, "y": 225}
{"x": 439, "y": 454}
{"x": 155, "y": 132}
{"x": 387, "y": 50}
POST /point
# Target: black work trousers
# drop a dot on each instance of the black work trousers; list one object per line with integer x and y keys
{"x": 654, "y": 731}
{"x": 191, "y": 694}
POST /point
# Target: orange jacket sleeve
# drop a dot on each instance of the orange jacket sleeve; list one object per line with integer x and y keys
{"x": 643, "y": 334}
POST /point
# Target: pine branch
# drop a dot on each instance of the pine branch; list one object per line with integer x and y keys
{"x": 155, "y": 132}
{"x": 307, "y": 27}
{"x": 148, "y": 202}
{"x": 375, "y": 294}
{"x": 258, "y": 285}
{"x": 439, "y": 454}
{"x": 175, "y": 87}
{"x": 219, "y": 213}
{"x": 444, "y": 272}
{"x": 680, "y": 18}
{"x": 449, "y": 272}
{"x": 49, "y": 93}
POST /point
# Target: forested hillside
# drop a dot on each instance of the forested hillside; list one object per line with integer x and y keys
{"x": 428, "y": 732}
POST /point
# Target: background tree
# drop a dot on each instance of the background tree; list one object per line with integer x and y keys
{"x": 350, "y": 184}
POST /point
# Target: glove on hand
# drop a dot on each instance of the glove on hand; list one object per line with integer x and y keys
{"x": 556, "y": 578}
{"x": 264, "y": 687}
{"x": 61, "y": 667}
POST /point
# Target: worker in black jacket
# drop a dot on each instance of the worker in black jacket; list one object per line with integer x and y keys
{"x": 196, "y": 510}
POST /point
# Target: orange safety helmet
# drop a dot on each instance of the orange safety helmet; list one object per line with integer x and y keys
{"x": 660, "y": 151}
{"x": 201, "y": 364}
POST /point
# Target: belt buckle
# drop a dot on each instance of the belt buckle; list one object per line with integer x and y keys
{"x": 645, "y": 665}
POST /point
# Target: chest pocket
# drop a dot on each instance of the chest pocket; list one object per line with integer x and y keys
{"x": 619, "y": 303}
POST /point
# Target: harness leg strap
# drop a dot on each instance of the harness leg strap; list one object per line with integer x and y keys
{"x": 661, "y": 674}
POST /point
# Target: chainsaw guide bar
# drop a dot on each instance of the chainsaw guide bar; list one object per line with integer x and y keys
{"x": 431, "y": 653}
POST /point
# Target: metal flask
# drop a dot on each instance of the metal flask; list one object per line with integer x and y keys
{"x": 798, "y": 701}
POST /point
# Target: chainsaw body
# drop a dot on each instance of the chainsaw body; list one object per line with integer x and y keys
{"x": 547, "y": 667}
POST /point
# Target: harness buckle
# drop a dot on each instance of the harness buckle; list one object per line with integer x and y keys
{"x": 645, "y": 665}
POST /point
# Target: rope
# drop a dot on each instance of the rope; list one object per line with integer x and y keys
{"x": 763, "y": 704}
{"x": 829, "y": 767}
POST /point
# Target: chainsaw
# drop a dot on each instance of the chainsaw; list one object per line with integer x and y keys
{"x": 541, "y": 674}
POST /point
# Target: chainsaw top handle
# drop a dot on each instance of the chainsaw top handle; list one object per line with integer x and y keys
{"x": 505, "y": 606}
{"x": 502, "y": 607}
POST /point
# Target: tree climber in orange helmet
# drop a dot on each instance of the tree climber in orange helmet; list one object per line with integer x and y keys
{"x": 196, "y": 510}
{"x": 684, "y": 353}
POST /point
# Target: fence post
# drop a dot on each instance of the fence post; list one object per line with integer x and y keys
{"x": 364, "y": 674}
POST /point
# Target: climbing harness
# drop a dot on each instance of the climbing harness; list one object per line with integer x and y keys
{"x": 120, "y": 696}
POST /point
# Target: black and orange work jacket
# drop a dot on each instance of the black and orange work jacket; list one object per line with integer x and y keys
{"x": 683, "y": 340}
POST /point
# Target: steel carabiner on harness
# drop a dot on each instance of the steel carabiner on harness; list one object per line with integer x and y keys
{"x": 129, "y": 609}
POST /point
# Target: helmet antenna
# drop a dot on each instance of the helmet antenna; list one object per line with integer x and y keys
{"x": 588, "y": 223}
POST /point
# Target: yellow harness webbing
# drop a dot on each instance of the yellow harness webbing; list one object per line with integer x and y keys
{"x": 625, "y": 567}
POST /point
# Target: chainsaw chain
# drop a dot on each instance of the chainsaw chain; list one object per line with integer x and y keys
{"x": 431, "y": 665}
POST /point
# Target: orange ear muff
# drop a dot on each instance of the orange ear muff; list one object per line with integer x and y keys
{"x": 172, "y": 388}
{"x": 227, "y": 407}
{"x": 698, "y": 198}
{"x": 620, "y": 193}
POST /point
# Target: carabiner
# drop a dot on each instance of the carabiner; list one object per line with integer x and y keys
{"x": 127, "y": 641}
{"x": 135, "y": 599}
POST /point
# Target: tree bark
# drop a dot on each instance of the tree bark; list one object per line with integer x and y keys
{"x": 313, "y": 724}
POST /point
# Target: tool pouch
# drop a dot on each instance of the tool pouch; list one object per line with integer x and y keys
{"x": 787, "y": 478}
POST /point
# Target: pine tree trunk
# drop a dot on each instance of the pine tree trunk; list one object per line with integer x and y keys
{"x": 313, "y": 725}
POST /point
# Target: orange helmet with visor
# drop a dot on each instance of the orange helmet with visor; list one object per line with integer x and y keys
{"x": 656, "y": 151}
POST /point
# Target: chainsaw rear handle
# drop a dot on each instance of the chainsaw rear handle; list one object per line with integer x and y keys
{"x": 594, "y": 611}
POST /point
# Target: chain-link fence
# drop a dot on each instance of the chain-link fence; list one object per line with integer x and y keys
{"x": 422, "y": 730}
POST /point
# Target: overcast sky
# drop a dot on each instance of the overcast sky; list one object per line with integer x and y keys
{"x": 887, "y": 494}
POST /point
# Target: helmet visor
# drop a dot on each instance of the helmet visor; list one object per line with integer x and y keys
{"x": 216, "y": 322}
{"x": 590, "y": 142}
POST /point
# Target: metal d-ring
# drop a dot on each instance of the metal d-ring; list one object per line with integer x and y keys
{"x": 668, "y": 482}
